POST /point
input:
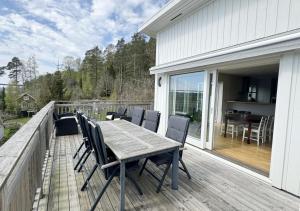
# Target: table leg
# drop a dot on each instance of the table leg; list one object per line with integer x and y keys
{"x": 175, "y": 169}
{"x": 249, "y": 132}
{"x": 225, "y": 129}
{"x": 122, "y": 186}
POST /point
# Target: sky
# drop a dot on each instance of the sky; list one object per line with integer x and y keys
{"x": 53, "y": 29}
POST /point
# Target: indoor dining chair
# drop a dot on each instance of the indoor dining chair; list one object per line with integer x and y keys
{"x": 257, "y": 133}
{"x": 177, "y": 130}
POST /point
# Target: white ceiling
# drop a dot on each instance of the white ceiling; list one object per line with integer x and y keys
{"x": 271, "y": 69}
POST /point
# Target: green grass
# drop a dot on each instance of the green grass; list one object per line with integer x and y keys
{"x": 21, "y": 121}
{"x": 9, "y": 132}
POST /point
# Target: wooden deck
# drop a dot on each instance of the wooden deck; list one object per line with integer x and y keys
{"x": 214, "y": 186}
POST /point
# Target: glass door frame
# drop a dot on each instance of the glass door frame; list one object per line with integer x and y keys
{"x": 206, "y": 138}
{"x": 212, "y": 79}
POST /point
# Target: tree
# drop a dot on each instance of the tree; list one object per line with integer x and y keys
{"x": 57, "y": 86}
{"x": 2, "y": 70}
{"x": 14, "y": 67}
{"x": 12, "y": 93}
{"x": 31, "y": 69}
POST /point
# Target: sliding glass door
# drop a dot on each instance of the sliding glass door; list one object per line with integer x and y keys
{"x": 186, "y": 99}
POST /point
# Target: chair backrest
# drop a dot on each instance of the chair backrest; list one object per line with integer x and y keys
{"x": 262, "y": 123}
{"x": 122, "y": 111}
{"x": 91, "y": 125}
{"x": 55, "y": 116}
{"x": 79, "y": 118}
{"x": 137, "y": 116}
{"x": 178, "y": 128}
{"x": 85, "y": 124}
{"x": 100, "y": 146}
{"x": 151, "y": 120}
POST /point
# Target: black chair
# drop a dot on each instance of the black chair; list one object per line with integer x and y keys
{"x": 137, "y": 116}
{"x": 90, "y": 143}
{"x": 114, "y": 115}
{"x": 65, "y": 124}
{"x": 87, "y": 141}
{"x": 84, "y": 137}
{"x": 151, "y": 121}
{"x": 108, "y": 164}
{"x": 177, "y": 130}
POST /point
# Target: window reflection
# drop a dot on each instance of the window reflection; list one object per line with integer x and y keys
{"x": 186, "y": 99}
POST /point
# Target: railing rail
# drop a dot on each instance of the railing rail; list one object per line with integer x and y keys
{"x": 21, "y": 161}
{"x": 97, "y": 109}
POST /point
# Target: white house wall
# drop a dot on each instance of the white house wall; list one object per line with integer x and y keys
{"x": 161, "y": 101}
{"x": 285, "y": 165}
{"x": 225, "y": 23}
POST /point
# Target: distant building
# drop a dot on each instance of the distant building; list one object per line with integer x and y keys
{"x": 27, "y": 104}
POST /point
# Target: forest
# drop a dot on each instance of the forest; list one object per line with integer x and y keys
{"x": 118, "y": 72}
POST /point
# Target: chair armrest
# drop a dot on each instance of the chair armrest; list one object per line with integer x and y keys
{"x": 110, "y": 164}
{"x": 182, "y": 148}
{"x": 110, "y": 113}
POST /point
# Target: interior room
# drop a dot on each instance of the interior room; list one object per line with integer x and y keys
{"x": 246, "y": 100}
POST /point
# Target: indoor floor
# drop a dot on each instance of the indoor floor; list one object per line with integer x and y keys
{"x": 255, "y": 157}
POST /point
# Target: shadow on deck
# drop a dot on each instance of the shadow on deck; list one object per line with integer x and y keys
{"x": 214, "y": 186}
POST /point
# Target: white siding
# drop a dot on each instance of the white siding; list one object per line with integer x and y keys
{"x": 285, "y": 163}
{"x": 225, "y": 23}
{"x": 161, "y": 101}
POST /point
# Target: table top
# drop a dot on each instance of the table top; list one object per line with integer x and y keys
{"x": 128, "y": 141}
{"x": 253, "y": 118}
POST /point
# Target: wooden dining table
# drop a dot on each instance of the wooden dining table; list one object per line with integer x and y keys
{"x": 240, "y": 118}
{"x": 130, "y": 142}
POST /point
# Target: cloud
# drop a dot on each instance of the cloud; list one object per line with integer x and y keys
{"x": 53, "y": 29}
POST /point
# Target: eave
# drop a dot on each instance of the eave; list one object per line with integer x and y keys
{"x": 172, "y": 11}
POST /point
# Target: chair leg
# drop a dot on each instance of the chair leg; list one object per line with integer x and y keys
{"x": 104, "y": 189}
{"x": 80, "y": 159}
{"x": 143, "y": 167}
{"x": 89, "y": 177}
{"x": 83, "y": 162}
{"x": 163, "y": 178}
{"x": 244, "y": 133}
{"x": 134, "y": 182}
{"x": 185, "y": 169}
{"x": 78, "y": 150}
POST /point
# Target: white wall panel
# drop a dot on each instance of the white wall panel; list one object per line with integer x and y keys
{"x": 261, "y": 18}
{"x": 223, "y": 23}
{"x": 251, "y": 20}
{"x": 285, "y": 160}
{"x": 283, "y": 15}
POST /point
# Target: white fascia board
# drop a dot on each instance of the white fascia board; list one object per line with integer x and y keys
{"x": 270, "y": 46}
{"x": 171, "y": 12}
{"x": 146, "y": 27}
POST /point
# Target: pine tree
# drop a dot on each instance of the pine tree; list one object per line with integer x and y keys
{"x": 14, "y": 68}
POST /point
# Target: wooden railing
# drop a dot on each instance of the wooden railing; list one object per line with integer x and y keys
{"x": 22, "y": 156}
{"x": 97, "y": 109}
{"x": 21, "y": 161}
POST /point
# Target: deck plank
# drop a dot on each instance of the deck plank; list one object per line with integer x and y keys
{"x": 74, "y": 203}
{"x": 214, "y": 186}
{"x": 84, "y": 199}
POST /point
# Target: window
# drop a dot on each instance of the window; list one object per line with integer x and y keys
{"x": 252, "y": 93}
{"x": 186, "y": 99}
